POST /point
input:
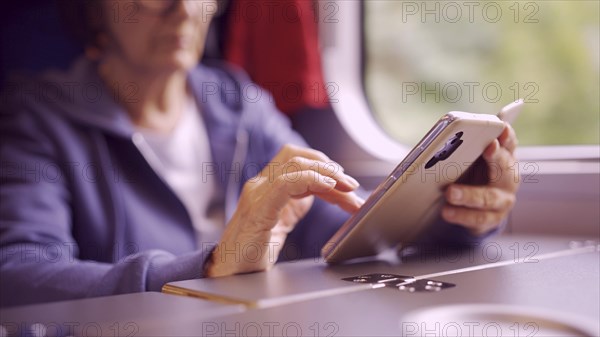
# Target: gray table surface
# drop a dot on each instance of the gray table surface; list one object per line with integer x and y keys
{"x": 309, "y": 298}
{"x": 141, "y": 314}
{"x": 312, "y": 277}
{"x": 566, "y": 285}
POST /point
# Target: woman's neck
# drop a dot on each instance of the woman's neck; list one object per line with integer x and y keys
{"x": 154, "y": 100}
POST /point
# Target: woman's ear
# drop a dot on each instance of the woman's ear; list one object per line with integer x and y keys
{"x": 97, "y": 40}
{"x": 96, "y": 50}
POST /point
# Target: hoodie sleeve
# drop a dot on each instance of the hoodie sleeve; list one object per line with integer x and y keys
{"x": 38, "y": 255}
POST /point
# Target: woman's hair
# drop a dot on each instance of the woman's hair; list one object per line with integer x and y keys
{"x": 83, "y": 19}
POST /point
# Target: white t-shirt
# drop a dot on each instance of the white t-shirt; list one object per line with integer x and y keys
{"x": 178, "y": 157}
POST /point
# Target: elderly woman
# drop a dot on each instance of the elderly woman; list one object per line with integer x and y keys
{"x": 138, "y": 167}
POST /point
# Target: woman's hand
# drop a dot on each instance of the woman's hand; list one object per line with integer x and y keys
{"x": 482, "y": 208}
{"x": 273, "y": 202}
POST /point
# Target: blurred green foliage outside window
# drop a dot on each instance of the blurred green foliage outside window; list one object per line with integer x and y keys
{"x": 424, "y": 58}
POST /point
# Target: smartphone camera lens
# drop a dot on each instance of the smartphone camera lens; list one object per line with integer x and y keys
{"x": 451, "y": 145}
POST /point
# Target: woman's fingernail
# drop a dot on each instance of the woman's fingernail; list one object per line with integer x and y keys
{"x": 352, "y": 182}
{"x": 330, "y": 181}
{"x": 456, "y": 194}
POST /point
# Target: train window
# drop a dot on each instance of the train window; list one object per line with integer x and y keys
{"x": 424, "y": 58}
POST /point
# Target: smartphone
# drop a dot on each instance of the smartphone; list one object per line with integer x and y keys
{"x": 411, "y": 197}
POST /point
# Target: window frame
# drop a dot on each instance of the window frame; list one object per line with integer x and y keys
{"x": 343, "y": 60}
{"x": 559, "y": 191}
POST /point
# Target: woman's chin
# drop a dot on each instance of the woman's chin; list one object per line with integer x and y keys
{"x": 186, "y": 59}
{"x": 177, "y": 61}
